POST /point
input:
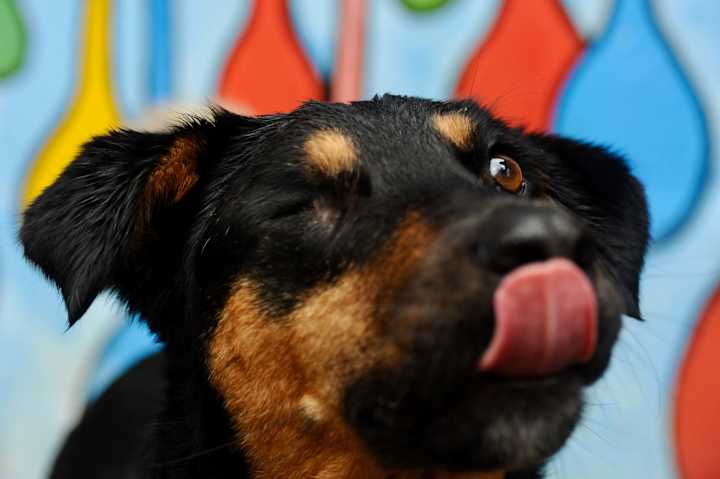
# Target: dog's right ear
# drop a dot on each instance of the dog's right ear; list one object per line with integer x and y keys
{"x": 115, "y": 218}
{"x": 619, "y": 206}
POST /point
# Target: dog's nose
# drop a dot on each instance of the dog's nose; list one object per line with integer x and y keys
{"x": 519, "y": 234}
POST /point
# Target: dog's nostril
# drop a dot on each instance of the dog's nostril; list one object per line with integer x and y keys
{"x": 526, "y": 234}
{"x": 511, "y": 254}
{"x": 527, "y": 251}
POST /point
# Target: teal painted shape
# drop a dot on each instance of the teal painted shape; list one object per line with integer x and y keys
{"x": 200, "y": 38}
{"x": 629, "y": 92}
{"x": 160, "y": 51}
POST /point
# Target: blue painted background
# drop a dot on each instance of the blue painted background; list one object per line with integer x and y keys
{"x": 648, "y": 84}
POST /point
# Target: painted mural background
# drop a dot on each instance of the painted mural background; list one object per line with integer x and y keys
{"x": 640, "y": 75}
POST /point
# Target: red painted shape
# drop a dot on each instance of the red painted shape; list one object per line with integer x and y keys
{"x": 267, "y": 70}
{"x": 697, "y": 399}
{"x": 519, "y": 70}
{"x": 349, "y": 60}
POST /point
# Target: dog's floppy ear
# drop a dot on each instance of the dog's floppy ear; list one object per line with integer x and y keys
{"x": 115, "y": 207}
{"x": 616, "y": 205}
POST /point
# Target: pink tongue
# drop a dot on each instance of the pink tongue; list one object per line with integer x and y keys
{"x": 545, "y": 320}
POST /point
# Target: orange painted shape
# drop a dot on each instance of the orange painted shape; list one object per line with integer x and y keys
{"x": 697, "y": 399}
{"x": 267, "y": 70}
{"x": 519, "y": 70}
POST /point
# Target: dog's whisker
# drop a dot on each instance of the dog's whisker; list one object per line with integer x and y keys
{"x": 645, "y": 357}
{"x": 600, "y": 404}
{"x": 194, "y": 455}
{"x": 602, "y": 438}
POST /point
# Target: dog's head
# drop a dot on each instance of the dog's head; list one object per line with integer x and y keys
{"x": 395, "y": 284}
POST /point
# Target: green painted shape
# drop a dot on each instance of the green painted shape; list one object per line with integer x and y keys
{"x": 424, "y": 5}
{"x": 12, "y": 38}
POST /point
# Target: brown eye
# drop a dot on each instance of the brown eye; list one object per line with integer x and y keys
{"x": 507, "y": 174}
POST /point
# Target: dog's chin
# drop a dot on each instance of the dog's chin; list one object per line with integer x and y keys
{"x": 496, "y": 424}
{"x": 508, "y": 424}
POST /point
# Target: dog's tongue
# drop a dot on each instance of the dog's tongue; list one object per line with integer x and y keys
{"x": 545, "y": 320}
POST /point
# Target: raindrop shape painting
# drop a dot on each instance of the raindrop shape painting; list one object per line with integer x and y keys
{"x": 267, "y": 70}
{"x": 422, "y": 6}
{"x": 697, "y": 396}
{"x": 518, "y": 69}
{"x": 12, "y": 38}
{"x": 630, "y": 92}
{"x": 93, "y": 110}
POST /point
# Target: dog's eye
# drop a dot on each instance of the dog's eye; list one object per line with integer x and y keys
{"x": 291, "y": 209}
{"x": 507, "y": 174}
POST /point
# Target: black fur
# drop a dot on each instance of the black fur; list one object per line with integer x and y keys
{"x": 174, "y": 260}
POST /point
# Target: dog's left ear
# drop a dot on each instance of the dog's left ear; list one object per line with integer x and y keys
{"x": 616, "y": 205}
{"x": 116, "y": 218}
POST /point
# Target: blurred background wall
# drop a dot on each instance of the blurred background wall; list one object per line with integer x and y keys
{"x": 640, "y": 75}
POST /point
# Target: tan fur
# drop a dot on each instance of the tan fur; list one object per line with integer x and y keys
{"x": 330, "y": 153}
{"x": 456, "y": 128}
{"x": 282, "y": 378}
{"x": 176, "y": 173}
{"x": 284, "y": 420}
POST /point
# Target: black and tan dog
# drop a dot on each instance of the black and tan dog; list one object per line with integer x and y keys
{"x": 395, "y": 288}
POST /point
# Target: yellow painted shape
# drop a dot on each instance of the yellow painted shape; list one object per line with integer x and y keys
{"x": 93, "y": 110}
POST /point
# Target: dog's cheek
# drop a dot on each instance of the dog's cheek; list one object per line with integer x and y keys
{"x": 338, "y": 332}
{"x": 279, "y": 379}
{"x": 337, "y": 336}
{"x": 313, "y": 351}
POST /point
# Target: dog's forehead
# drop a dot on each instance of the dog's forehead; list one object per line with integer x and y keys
{"x": 388, "y": 133}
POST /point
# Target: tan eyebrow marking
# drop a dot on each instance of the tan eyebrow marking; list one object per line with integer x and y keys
{"x": 330, "y": 152}
{"x": 455, "y": 128}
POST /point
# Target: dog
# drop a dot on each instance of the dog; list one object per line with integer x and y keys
{"x": 392, "y": 288}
